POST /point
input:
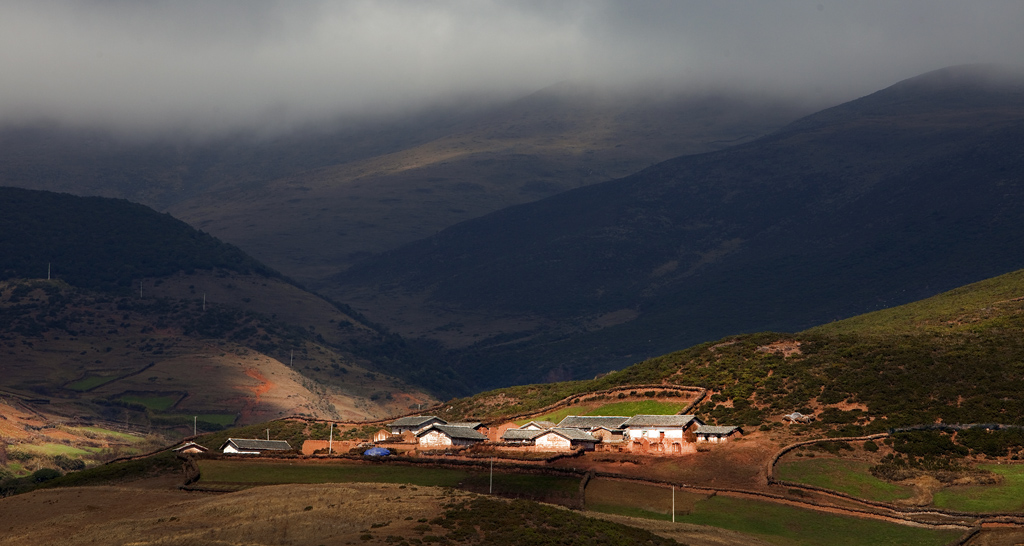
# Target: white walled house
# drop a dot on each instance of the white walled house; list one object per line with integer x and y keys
{"x": 655, "y": 428}
{"x": 564, "y": 439}
{"x": 442, "y": 436}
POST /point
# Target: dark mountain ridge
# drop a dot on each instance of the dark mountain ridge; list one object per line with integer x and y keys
{"x": 890, "y": 198}
{"x": 104, "y": 244}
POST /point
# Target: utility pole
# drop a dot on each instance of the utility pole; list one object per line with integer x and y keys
{"x": 195, "y": 423}
{"x": 330, "y": 442}
{"x": 268, "y": 434}
{"x": 490, "y": 489}
{"x": 673, "y": 504}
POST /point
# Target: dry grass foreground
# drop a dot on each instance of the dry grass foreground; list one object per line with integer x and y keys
{"x": 148, "y": 513}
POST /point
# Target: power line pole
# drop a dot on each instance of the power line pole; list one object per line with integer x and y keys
{"x": 330, "y": 442}
{"x": 673, "y": 504}
{"x": 195, "y": 423}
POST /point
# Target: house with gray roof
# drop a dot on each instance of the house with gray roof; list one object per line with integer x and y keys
{"x": 591, "y": 422}
{"x": 538, "y": 425}
{"x": 415, "y": 423}
{"x": 247, "y": 446}
{"x": 564, "y": 439}
{"x": 715, "y": 434}
{"x": 521, "y": 435}
{"x": 655, "y": 428}
{"x": 475, "y": 425}
{"x": 441, "y": 436}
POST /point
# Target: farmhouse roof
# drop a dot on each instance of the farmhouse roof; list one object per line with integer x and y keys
{"x": 569, "y": 434}
{"x": 661, "y": 421}
{"x": 540, "y": 424}
{"x": 190, "y": 445}
{"x": 709, "y": 429}
{"x": 468, "y": 424}
{"x": 257, "y": 445}
{"x": 415, "y": 421}
{"x": 518, "y": 434}
{"x": 462, "y": 433}
{"x": 592, "y": 421}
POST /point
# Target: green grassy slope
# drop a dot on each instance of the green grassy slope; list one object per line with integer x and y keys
{"x": 957, "y": 357}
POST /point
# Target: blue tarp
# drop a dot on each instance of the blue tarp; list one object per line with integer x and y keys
{"x": 377, "y": 452}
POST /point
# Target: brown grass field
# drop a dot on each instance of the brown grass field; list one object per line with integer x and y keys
{"x": 155, "y": 512}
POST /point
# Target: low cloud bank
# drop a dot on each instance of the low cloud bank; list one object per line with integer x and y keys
{"x": 206, "y": 68}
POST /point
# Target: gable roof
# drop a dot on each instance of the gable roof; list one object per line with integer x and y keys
{"x": 257, "y": 445}
{"x": 593, "y": 421}
{"x": 468, "y": 424}
{"x": 572, "y": 434}
{"x": 521, "y": 434}
{"x": 190, "y": 445}
{"x": 415, "y": 421}
{"x": 661, "y": 421}
{"x": 709, "y": 429}
{"x": 539, "y": 424}
{"x": 462, "y": 433}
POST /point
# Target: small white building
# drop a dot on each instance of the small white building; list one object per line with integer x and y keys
{"x": 415, "y": 423}
{"x": 246, "y": 446}
{"x": 713, "y": 434}
{"x": 441, "y": 436}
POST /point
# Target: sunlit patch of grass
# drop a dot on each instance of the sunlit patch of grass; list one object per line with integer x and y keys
{"x": 1003, "y": 497}
{"x": 638, "y": 407}
{"x": 107, "y": 433}
{"x": 843, "y": 475}
{"x": 153, "y": 402}
{"x": 91, "y": 382}
{"x": 790, "y": 525}
{"x": 55, "y": 449}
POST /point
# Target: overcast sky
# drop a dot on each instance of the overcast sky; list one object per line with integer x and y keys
{"x": 210, "y": 67}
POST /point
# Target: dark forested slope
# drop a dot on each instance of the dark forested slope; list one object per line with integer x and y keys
{"x": 100, "y": 243}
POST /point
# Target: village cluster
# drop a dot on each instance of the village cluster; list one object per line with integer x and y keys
{"x": 654, "y": 434}
{"x": 644, "y": 434}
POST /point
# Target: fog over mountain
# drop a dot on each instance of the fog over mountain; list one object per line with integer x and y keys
{"x": 264, "y": 67}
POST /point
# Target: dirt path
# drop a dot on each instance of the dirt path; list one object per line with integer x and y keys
{"x": 694, "y": 535}
{"x": 925, "y": 488}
